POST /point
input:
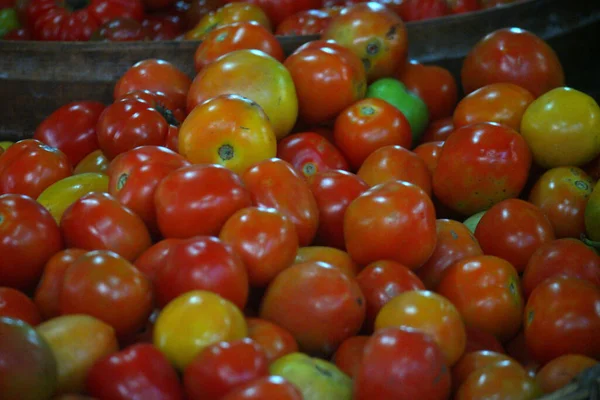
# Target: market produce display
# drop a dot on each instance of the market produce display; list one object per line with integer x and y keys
{"x": 338, "y": 223}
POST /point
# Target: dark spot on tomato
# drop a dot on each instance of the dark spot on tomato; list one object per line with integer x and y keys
{"x": 221, "y": 37}
{"x": 1, "y": 219}
{"x": 367, "y": 63}
{"x": 454, "y": 235}
{"x": 530, "y": 316}
{"x": 122, "y": 181}
{"x": 367, "y": 110}
{"x": 582, "y": 185}
{"x": 359, "y": 301}
{"x": 309, "y": 169}
{"x": 245, "y": 128}
{"x": 373, "y": 48}
{"x": 323, "y": 371}
{"x": 392, "y": 32}
{"x": 226, "y": 152}
{"x": 443, "y": 371}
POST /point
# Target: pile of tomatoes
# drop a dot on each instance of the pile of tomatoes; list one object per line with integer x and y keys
{"x": 334, "y": 224}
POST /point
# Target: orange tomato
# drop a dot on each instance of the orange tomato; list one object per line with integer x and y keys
{"x": 430, "y": 153}
{"x": 471, "y": 362}
{"x": 560, "y": 372}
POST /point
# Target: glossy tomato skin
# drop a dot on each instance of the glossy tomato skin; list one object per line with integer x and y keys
{"x": 278, "y": 10}
{"x": 271, "y": 387}
{"x": 417, "y": 10}
{"x": 30, "y": 166}
{"x": 138, "y": 370}
{"x": 373, "y": 229}
{"x": 438, "y": 130}
{"x": 402, "y": 363}
{"x": 275, "y": 340}
{"x": 155, "y": 257}
{"x": 333, "y": 192}
{"x": 328, "y": 78}
{"x": 96, "y": 162}
{"x": 16, "y": 305}
{"x": 474, "y": 361}
{"x": 478, "y": 340}
{"x": 463, "y": 6}
{"x": 121, "y": 30}
{"x": 330, "y": 255}
{"x": 72, "y": 129}
{"x": 512, "y": 55}
{"x": 481, "y": 165}
{"x": 29, "y": 236}
{"x": 205, "y": 192}
{"x": 308, "y": 22}
{"x": 349, "y": 355}
{"x": 559, "y": 372}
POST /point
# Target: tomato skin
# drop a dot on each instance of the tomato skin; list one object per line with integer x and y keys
{"x": 307, "y": 22}
{"x": 333, "y": 192}
{"x": 562, "y": 370}
{"x": 349, "y": 355}
{"x": 462, "y": 6}
{"x": 72, "y": 129}
{"x": 228, "y": 14}
{"x": 371, "y": 235}
{"x": 478, "y": 340}
{"x": 438, "y": 130}
{"x": 417, "y": 10}
{"x": 278, "y": 10}
{"x": 474, "y": 361}
{"x": 95, "y": 162}
{"x": 16, "y": 305}
{"x": 330, "y": 255}
{"x": 155, "y": 257}
{"x": 512, "y": 55}
{"x": 275, "y": 340}
{"x": 30, "y": 166}
{"x": 121, "y": 30}
{"x": 138, "y": 370}
{"x": 403, "y": 364}
{"x": 270, "y": 387}
{"x": 29, "y": 236}
{"x": 468, "y": 182}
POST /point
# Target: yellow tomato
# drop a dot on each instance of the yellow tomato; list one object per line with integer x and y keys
{"x": 228, "y": 130}
{"x": 6, "y": 145}
{"x": 60, "y": 195}
{"x": 229, "y": 14}
{"x": 562, "y": 128}
{"x": 96, "y": 161}
{"x": 255, "y": 75}
{"x": 193, "y": 321}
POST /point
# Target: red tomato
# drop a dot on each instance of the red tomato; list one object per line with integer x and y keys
{"x": 138, "y": 371}
{"x": 159, "y": 101}
{"x": 270, "y": 387}
{"x": 330, "y": 255}
{"x": 310, "y": 153}
{"x": 478, "y": 339}
{"x": 307, "y": 22}
{"x": 374, "y": 230}
{"x": 438, "y": 130}
{"x": 198, "y": 9}
{"x": 97, "y": 221}
{"x": 72, "y": 129}
{"x": 562, "y": 316}
{"x": 15, "y": 304}
{"x": 334, "y": 191}
{"x": 295, "y": 299}
{"x": 275, "y": 341}
{"x": 462, "y": 6}
{"x": 106, "y": 286}
{"x": 202, "y": 263}
{"x": 28, "y": 238}
{"x": 278, "y": 10}
{"x": 160, "y": 27}
{"x": 275, "y": 184}
{"x": 474, "y": 361}
{"x": 417, "y": 10}
{"x": 486, "y": 292}
{"x": 434, "y": 85}
{"x": 517, "y": 349}
{"x": 430, "y": 153}
{"x": 30, "y": 166}
{"x": 328, "y": 78}
{"x": 205, "y": 192}
{"x": 566, "y": 257}
{"x": 121, "y": 30}
{"x": 481, "y": 165}
{"x": 561, "y": 371}
{"x": 454, "y": 243}
{"x": 402, "y": 364}
{"x": 349, "y": 355}
{"x": 155, "y": 257}
{"x": 512, "y": 55}
{"x": 383, "y": 280}
{"x": 222, "y": 367}
{"x": 368, "y": 125}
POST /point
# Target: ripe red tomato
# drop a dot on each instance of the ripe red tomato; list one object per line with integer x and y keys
{"x": 205, "y": 192}
{"x": 374, "y": 230}
{"x": 328, "y": 78}
{"x": 512, "y": 55}
{"x": 481, "y": 165}
{"x": 417, "y": 10}
{"x": 198, "y": 9}
{"x": 438, "y": 130}
{"x": 310, "y": 153}
{"x": 222, "y": 367}
{"x": 275, "y": 341}
{"x": 561, "y": 371}
{"x": 97, "y": 221}
{"x": 307, "y": 22}
{"x": 30, "y": 166}
{"x": 278, "y": 10}
{"x": 349, "y": 355}
{"x": 295, "y": 298}
{"x": 166, "y": 27}
{"x": 29, "y": 236}
{"x": 72, "y": 129}
{"x": 478, "y": 340}
{"x": 330, "y": 255}
{"x": 16, "y": 305}
{"x": 155, "y": 257}
{"x": 121, "y": 30}
{"x": 368, "y": 125}
{"x": 474, "y": 361}
{"x": 430, "y": 153}
{"x": 159, "y": 101}
{"x": 462, "y": 6}
{"x": 402, "y": 364}
{"x": 562, "y": 316}
{"x": 275, "y": 184}
{"x": 270, "y": 387}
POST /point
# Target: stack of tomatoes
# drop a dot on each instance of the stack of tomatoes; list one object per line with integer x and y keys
{"x": 334, "y": 224}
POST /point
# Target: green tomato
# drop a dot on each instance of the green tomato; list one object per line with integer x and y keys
{"x": 473, "y": 221}
{"x": 414, "y": 109}
{"x": 8, "y": 21}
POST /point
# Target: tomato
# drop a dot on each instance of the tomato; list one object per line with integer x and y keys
{"x": 402, "y": 364}
{"x": 562, "y": 193}
{"x": 374, "y": 231}
{"x": 77, "y": 342}
{"x": 417, "y": 10}
{"x": 562, "y": 128}
{"x": 237, "y": 36}
{"x": 369, "y": 125}
{"x": 474, "y": 361}
{"x": 121, "y": 30}
{"x": 429, "y": 152}
{"x": 275, "y": 184}
{"x": 304, "y": 23}
{"x": 333, "y": 192}
{"x": 96, "y": 162}
{"x": 592, "y": 213}
{"x": 593, "y": 168}
{"x": 16, "y": 305}
{"x": 504, "y": 103}
{"x": 27, "y": 364}
{"x": 71, "y": 129}
{"x": 328, "y": 78}
{"x": 462, "y": 6}
{"x": 454, "y": 243}
{"x": 478, "y": 340}
{"x": 375, "y": 34}
{"x": 562, "y": 316}
{"x": 481, "y": 165}
{"x": 561, "y": 371}
{"x": 166, "y": 105}
{"x": 155, "y": 76}
{"x": 517, "y": 349}
{"x": 438, "y": 130}
{"x": 209, "y": 319}
{"x": 381, "y": 281}
{"x": 294, "y": 300}
{"x": 270, "y": 387}
{"x": 198, "y": 9}
{"x": 155, "y": 257}
{"x": 275, "y": 340}
{"x": 349, "y": 355}
{"x": 227, "y": 15}
{"x": 222, "y": 367}
{"x": 335, "y": 257}
{"x": 434, "y": 85}
{"x": 278, "y": 10}
{"x": 255, "y": 75}
{"x": 30, "y": 166}
{"x": 28, "y": 238}
{"x": 512, "y": 55}
{"x": 160, "y": 27}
